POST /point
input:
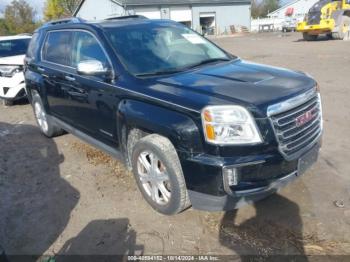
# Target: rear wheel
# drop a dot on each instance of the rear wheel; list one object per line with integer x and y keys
{"x": 44, "y": 121}
{"x": 343, "y": 29}
{"x": 159, "y": 176}
{"x": 308, "y": 37}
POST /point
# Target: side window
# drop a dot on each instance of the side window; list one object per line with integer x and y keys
{"x": 33, "y": 46}
{"x": 86, "y": 47}
{"x": 57, "y": 48}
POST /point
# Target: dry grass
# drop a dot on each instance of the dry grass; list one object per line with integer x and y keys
{"x": 270, "y": 238}
{"x": 97, "y": 157}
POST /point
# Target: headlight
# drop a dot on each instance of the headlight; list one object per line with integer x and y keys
{"x": 229, "y": 125}
{"x": 9, "y": 71}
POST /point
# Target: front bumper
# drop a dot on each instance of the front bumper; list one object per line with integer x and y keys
{"x": 241, "y": 198}
{"x": 259, "y": 177}
{"x": 325, "y": 26}
{"x": 12, "y": 88}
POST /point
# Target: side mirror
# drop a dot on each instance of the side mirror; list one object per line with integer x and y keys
{"x": 92, "y": 68}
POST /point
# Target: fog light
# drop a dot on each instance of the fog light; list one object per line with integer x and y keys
{"x": 231, "y": 176}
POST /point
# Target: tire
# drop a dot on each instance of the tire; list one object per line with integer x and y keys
{"x": 134, "y": 136}
{"x": 7, "y": 102}
{"x": 44, "y": 121}
{"x": 166, "y": 192}
{"x": 308, "y": 37}
{"x": 344, "y": 26}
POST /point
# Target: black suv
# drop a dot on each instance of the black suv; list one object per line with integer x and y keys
{"x": 197, "y": 125}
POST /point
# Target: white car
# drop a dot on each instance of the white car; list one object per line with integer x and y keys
{"x": 12, "y": 53}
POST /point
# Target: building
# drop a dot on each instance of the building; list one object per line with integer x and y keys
{"x": 296, "y": 9}
{"x": 205, "y": 16}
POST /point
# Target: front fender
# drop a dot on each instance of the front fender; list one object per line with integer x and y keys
{"x": 178, "y": 127}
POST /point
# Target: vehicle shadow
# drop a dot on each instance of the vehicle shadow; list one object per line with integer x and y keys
{"x": 35, "y": 201}
{"x": 320, "y": 38}
{"x": 102, "y": 240}
{"x": 275, "y": 231}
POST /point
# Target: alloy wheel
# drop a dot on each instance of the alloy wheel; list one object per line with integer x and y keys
{"x": 154, "y": 177}
{"x": 41, "y": 117}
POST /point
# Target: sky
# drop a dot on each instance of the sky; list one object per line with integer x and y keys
{"x": 37, "y": 5}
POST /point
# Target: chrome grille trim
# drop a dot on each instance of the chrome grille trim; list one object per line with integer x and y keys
{"x": 294, "y": 140}
{"x": 290, "y": 103}
{"x": 310, "y": 104}
{"x": 303, "y": 129}
{"x": 314, "y": 130}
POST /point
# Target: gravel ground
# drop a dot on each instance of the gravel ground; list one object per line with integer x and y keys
{"x": 61, "y": 196}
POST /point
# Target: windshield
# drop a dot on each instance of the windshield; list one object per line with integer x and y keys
{"x": 13, "y": 47}
{"x": 160, "y": 48}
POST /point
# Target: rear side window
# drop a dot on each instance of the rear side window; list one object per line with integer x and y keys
{"x": 33, "y": 46}
{"x": 86, "y": 47}
{"x": 57, "y": 48}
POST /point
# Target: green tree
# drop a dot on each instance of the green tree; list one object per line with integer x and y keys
{"x": 55, "y": 9}
{"x": 19, "y": 17}
{"x": 3, "y": 27}
{"x": 270, "y": 6}
{"x": 260, "y": 8}
{"x": 256, "y": 9}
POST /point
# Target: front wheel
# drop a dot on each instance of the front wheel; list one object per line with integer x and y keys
{"x": 159, "y": 176}
{"x": 308, "y": 37}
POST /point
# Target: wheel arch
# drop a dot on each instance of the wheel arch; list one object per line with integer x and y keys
{"x": 178, "y": 127}
{"x": 34, "y": 84}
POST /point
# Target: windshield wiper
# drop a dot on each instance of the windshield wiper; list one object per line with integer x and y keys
{"x": 173, "y": 71}
{"x": 208, "y": 61}
{"x": 158, "y": 73}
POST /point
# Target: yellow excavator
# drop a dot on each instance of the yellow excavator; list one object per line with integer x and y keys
{"x": 330, "y": 17}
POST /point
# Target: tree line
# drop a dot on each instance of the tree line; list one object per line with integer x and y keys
{"x": 19, "y": 17}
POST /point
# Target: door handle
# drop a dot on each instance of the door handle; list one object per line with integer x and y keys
{"x": 41, "y": 69}
{"x": 69, "y": 78}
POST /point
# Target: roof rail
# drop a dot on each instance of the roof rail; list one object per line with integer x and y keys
{"x": 65, "y": 21}
{"x": 126, "y": 17}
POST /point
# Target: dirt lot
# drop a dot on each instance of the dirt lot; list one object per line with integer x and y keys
{"x": 63, "y": 197}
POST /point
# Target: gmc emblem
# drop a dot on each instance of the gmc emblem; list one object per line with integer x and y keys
{"x": 305, "y": 118}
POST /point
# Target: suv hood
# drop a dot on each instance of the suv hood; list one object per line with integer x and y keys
{"x": 238, "y": 82}
{"x": 12, "y": 60}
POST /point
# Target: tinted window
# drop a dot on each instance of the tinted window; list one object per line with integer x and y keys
{"x": 33, "y": 46}
{"x": 86, "y": 47}
{"x": 148, "y": 47}
{"x": 13, "y": 47}
{"x": 57, "y": 47}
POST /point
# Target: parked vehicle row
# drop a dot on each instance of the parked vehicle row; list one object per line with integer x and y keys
{"x": 196, "y": 125}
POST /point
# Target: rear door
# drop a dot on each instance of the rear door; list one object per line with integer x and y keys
{"x": 56, "y": 69}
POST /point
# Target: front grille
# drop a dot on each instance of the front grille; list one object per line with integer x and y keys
{"x": 296, "y": 137}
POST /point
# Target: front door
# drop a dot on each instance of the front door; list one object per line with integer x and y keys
{"x": 94, "y": 104}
